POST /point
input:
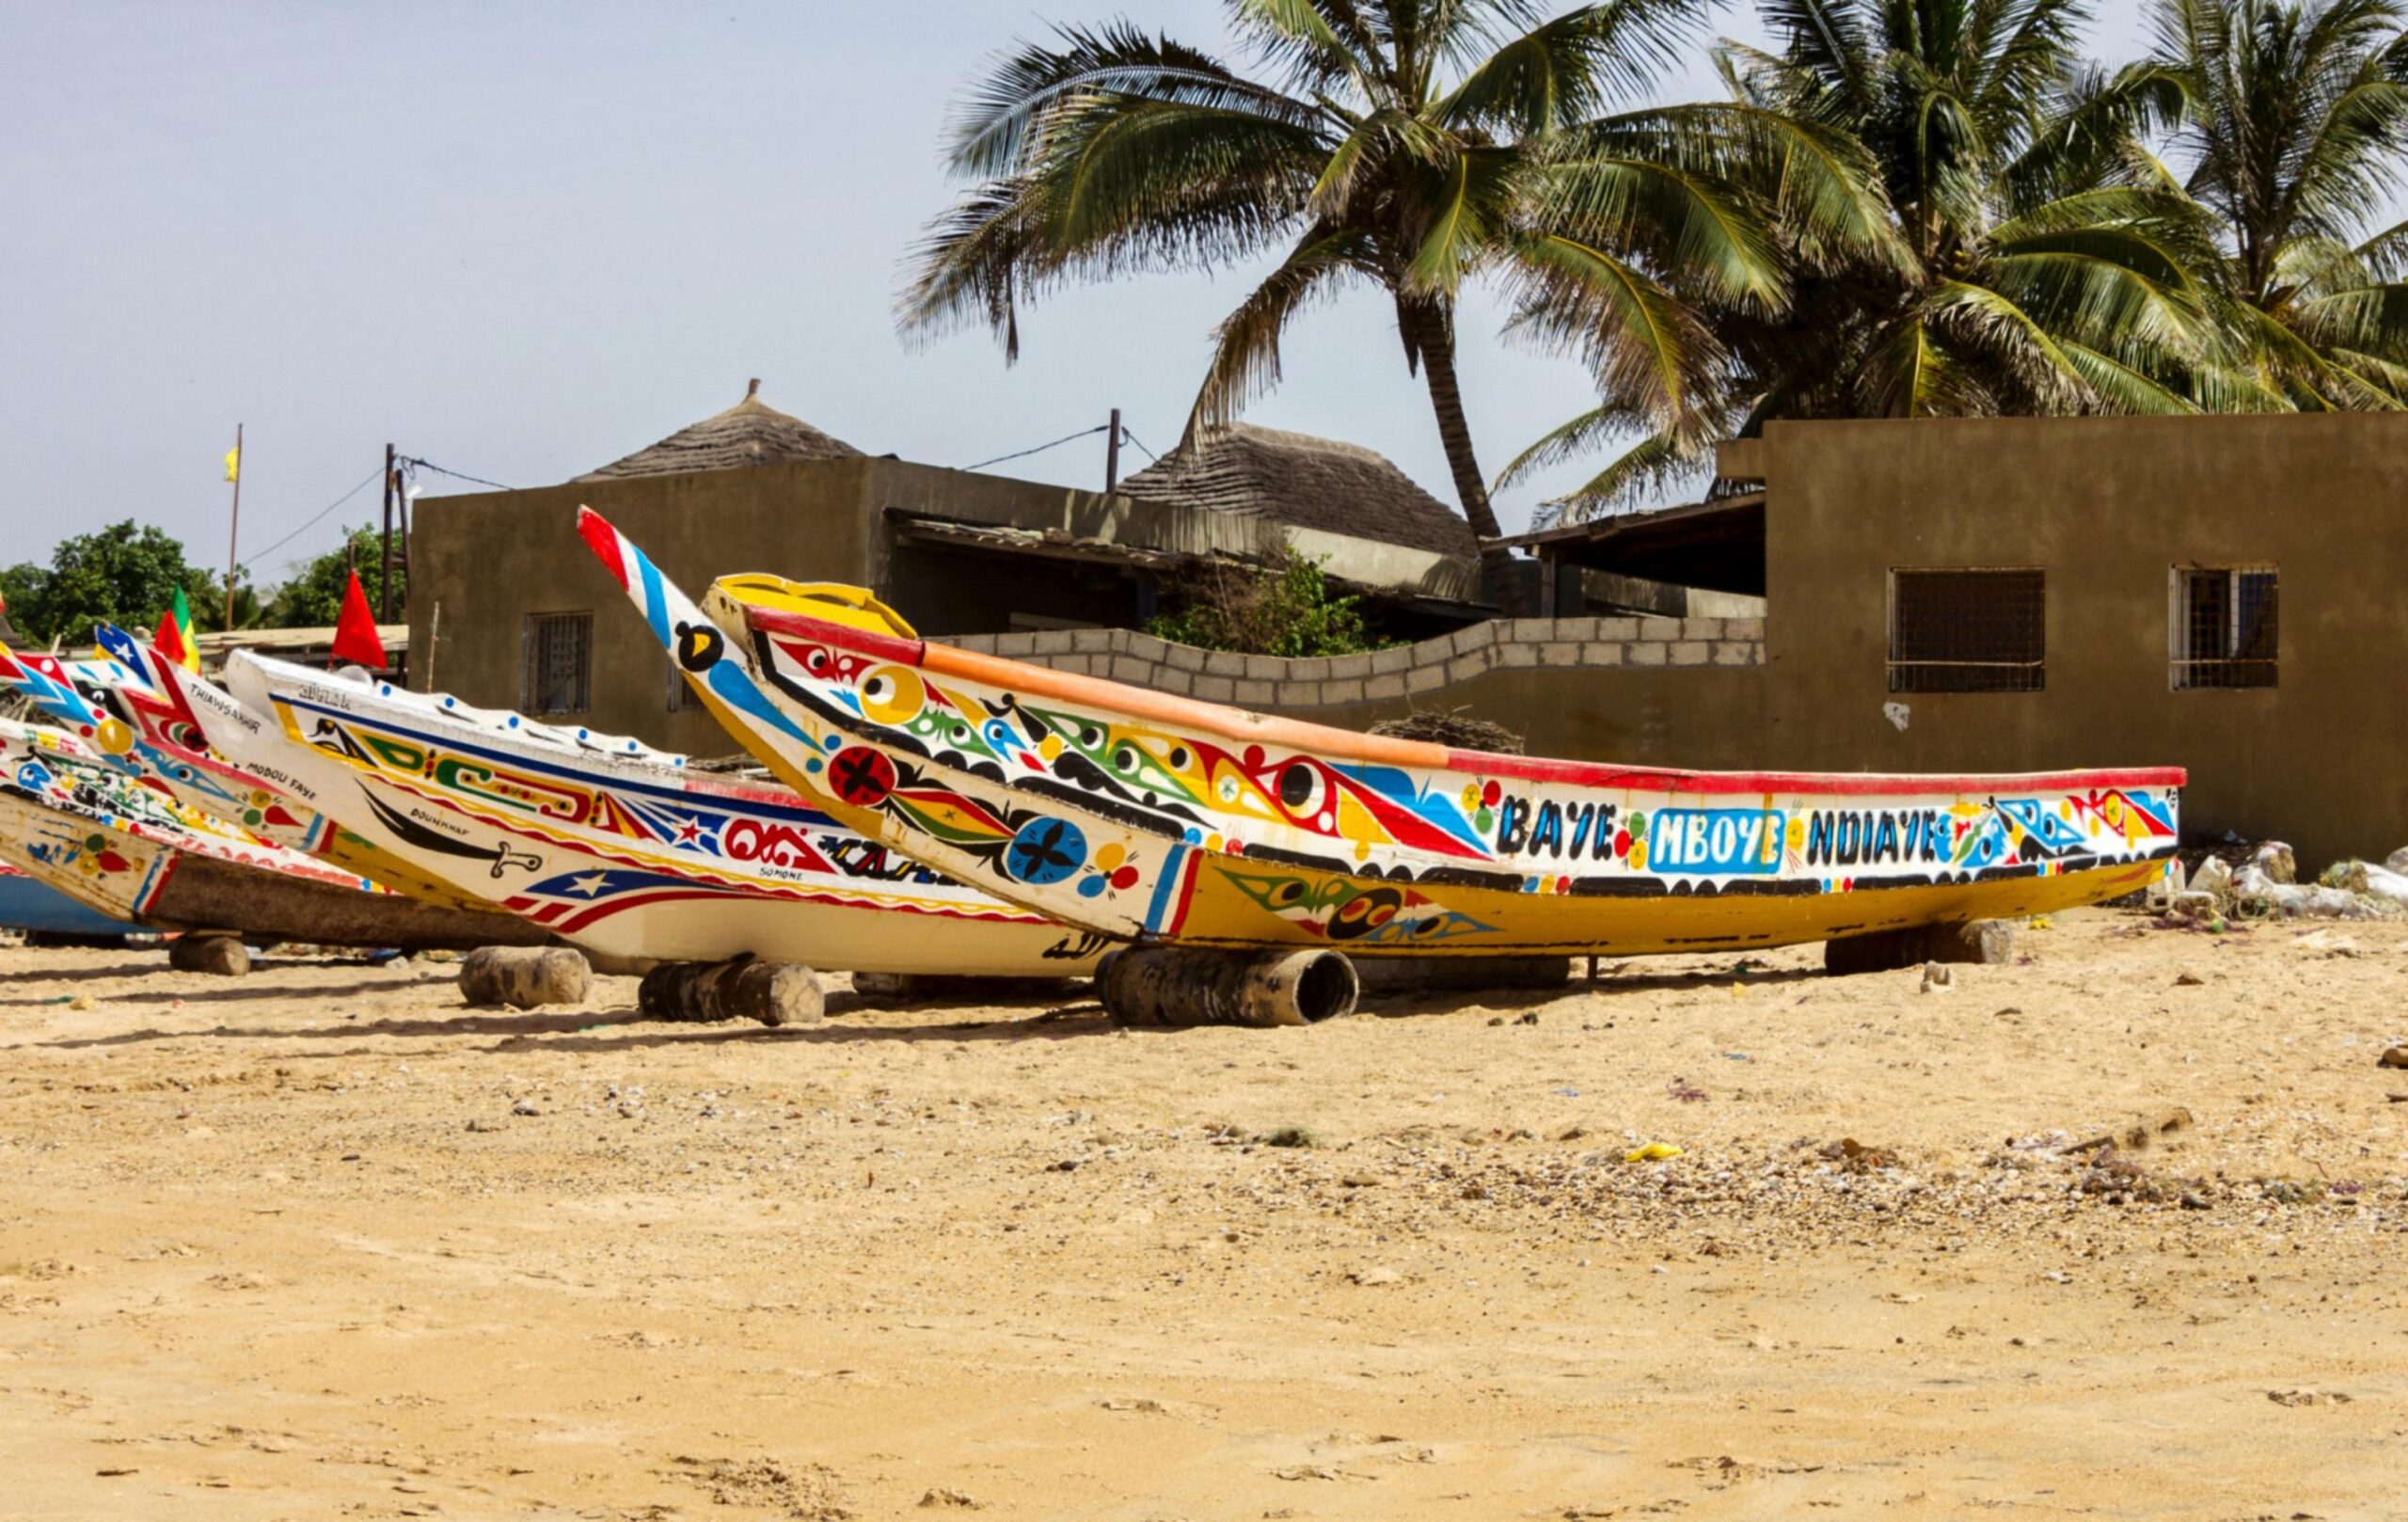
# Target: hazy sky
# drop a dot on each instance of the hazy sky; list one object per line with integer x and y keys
{"x": 523, "y": 238}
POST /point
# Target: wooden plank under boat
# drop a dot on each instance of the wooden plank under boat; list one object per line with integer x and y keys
{"x": 126, "y": 850}
{"x": 611, "y": 844}
{"x": 1150, "y": 818}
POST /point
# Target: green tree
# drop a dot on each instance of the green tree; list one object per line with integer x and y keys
{"x": 2050, "y": 265}
{"x": 313, "y": 599}
{"x": 1409, "y": 146}
{"x": 2294, "y": 121}
{"x": 121, "y": 575}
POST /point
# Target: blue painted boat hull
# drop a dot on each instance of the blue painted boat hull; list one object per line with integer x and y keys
{"x": 28, "y": 905}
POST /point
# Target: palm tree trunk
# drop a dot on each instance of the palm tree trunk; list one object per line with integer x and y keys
{"x": 1429, "y": 333}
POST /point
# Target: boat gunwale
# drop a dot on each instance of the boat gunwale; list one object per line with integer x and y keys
{"x": 531, "y": 749}
{"x": 1333, "y": 744}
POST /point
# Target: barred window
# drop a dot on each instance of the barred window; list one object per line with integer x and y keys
{"x": 1968, "y": 630}
{"x": 555, "y": 673}
{"x": 681, "y": 693}
{"x": 2224, "y": 626}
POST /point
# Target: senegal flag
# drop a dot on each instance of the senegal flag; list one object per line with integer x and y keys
{"x": 175, "y": 639}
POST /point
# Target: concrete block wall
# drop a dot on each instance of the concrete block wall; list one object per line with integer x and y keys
{"x": 1409, "y": 674}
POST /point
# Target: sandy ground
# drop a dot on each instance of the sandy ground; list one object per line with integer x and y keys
{"x": 321, "y": 1242}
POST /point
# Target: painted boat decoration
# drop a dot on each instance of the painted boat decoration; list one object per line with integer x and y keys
{"x": 28, "y": 904}
{"x": 73, "y": 821}
{"x": 609, "y": 844}
{"x": 113, "y": 708}
{"x": 1148, "y": 817}
{"x": 135, "y": 717}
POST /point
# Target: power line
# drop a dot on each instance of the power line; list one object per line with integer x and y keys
{"x": 1040, "y": 449}
{"x": 456, "y": 475}
{"x": 259, "y": 555}
{"x": 1139, "y": 442}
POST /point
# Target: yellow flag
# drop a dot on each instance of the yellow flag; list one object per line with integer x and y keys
{"x": 233, "y": 464}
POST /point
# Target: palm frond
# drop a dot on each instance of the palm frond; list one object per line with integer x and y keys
{"x": 1821, "y": 185}
{"x": 1569, "y": 441}
{"x": 2370, "y": 319}
{"x": 999, "y": 127}
{"x": 1697, "y": 233}
{"x": 1656, "y": 467}
{"x": 1825, "y": 40}
{"x": 2385, "y": 256}
{"x": 2122, "y": 389}
{"x": 1909, "y": 373}
{"x": 1648, "y": 349}
{"x": 1245, "y": 344}
{"x": 1568, "y": 70}
{"x": 1466, "y": 207}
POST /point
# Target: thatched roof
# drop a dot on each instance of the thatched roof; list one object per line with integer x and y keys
{"x": 1305, "y": 482}
{"x": 747, "y": 433}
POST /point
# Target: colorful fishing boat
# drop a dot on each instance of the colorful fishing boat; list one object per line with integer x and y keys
{"x": 73, "y": 821}
{"x": 137, "y": 720}
{"x": 1148, "y": 817}
{"x": 111, "y": 706}
{"x": 611, "y": 844}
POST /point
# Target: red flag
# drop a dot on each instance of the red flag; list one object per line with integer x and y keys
{"x": 355, "y": 629}
{"x": 169, "y": 641}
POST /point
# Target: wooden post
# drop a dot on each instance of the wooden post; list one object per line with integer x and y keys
{"x": 385, "y": 591}
{"x": 233, "y": 528}
{"x": 1111, "y": 453}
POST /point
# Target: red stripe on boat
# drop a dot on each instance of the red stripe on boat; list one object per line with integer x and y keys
{"x": 884, "y": 646}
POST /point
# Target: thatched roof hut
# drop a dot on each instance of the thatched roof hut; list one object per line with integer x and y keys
{"x": 747, "y": 433}
{"x": 1304, "y": 482}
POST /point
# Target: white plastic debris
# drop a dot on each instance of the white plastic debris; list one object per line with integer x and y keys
{"x": 2214, "y": 879}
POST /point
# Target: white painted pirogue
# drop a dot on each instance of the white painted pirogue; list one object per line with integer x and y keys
{"x": 1147, "y": 818}
{"x": 71, "y": 819}
{"x": 608, "y": 844}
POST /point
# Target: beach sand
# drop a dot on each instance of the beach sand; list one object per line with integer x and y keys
{"x": 321, "y": 1242}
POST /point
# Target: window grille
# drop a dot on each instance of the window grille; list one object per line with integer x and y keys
{"x": 1968, "y": 631}
{"x": 2225, "y": 625}
{"x": 681, "y": 693}
{"x": 555, "y": 675}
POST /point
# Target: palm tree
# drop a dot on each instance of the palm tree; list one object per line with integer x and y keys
{"x": 2294, "y": 121}
{"x": 1406, "y": 145}
{"x": 2048, "y": 265}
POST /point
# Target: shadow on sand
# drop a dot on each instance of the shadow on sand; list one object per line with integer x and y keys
{"x": 1033, "y": 1017}
{"x": 625, "y": 1028}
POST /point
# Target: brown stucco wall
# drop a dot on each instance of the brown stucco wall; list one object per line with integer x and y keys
{"x": 2108, "y": 507}
{"x": 483, "y": 562}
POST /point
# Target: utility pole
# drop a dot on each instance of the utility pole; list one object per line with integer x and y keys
{"x": 384, "y": 590}
{"x": 234, "y": 526}
{"x": 1111, "y": 453}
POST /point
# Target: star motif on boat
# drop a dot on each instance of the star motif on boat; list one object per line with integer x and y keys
{"x": 589, "y": 885}
{"x": 689, "y": 829}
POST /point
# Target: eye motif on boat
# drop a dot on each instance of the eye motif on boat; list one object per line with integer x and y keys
{"x": 893, "y": 694}
{"x": 699, "y": 647}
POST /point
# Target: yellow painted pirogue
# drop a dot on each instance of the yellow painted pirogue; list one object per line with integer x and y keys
{"x": 1148, "y": 817}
